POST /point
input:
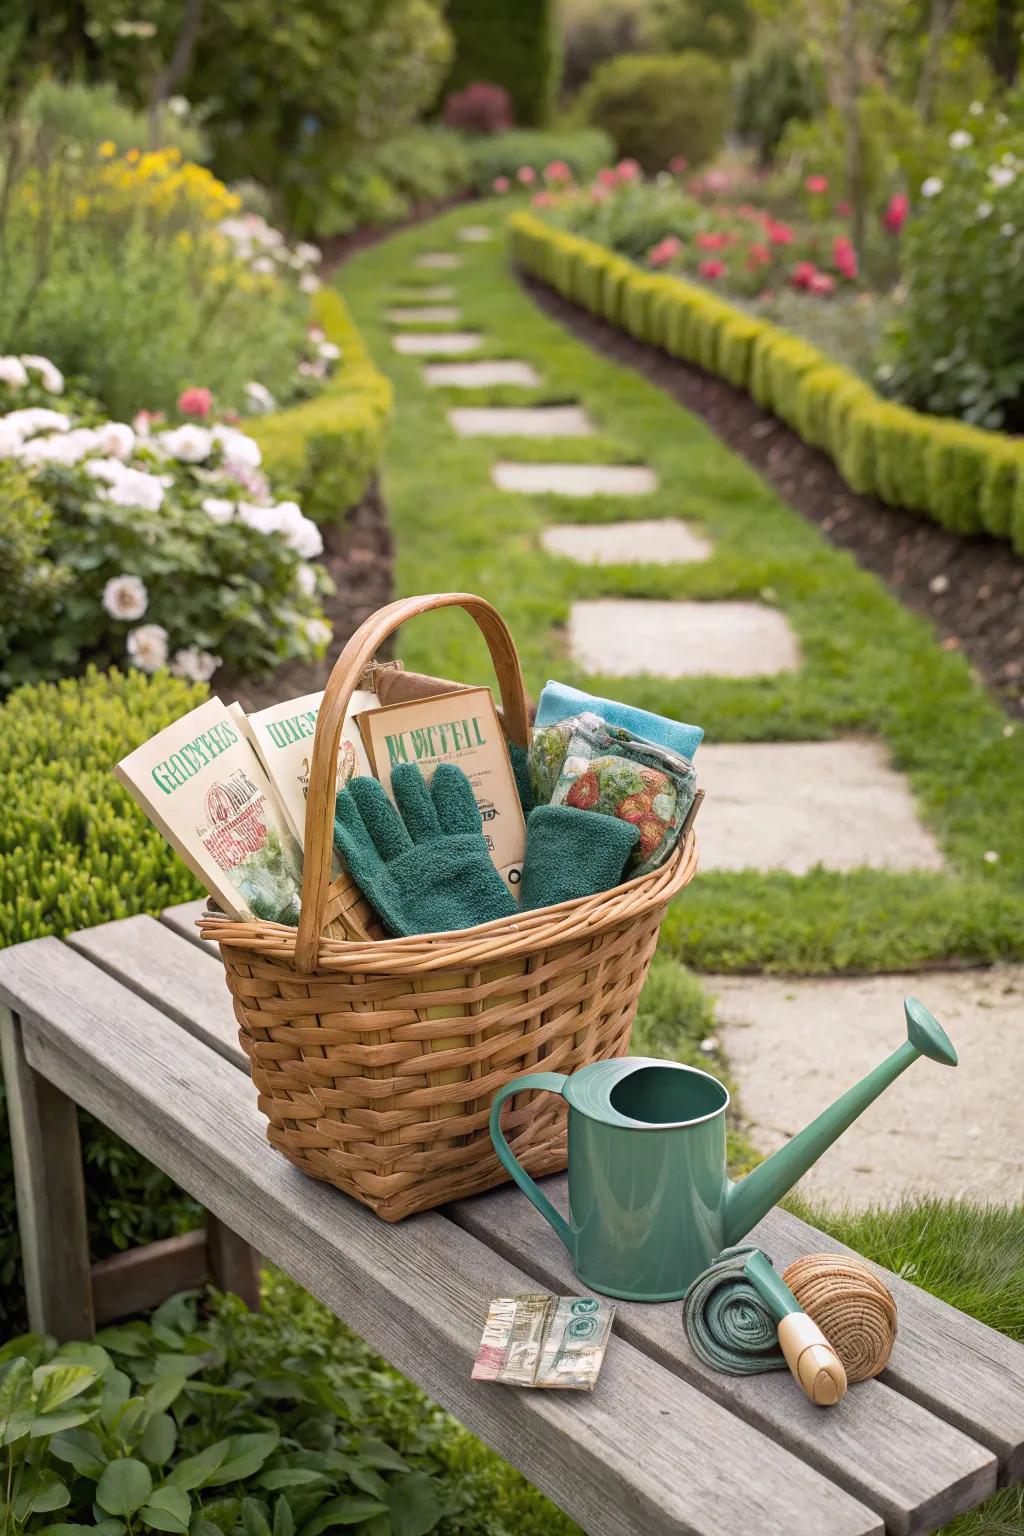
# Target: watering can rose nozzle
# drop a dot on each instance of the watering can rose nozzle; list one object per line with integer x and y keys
{"x": 753, "y": 1197}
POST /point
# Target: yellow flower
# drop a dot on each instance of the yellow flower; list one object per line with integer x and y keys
{"x": 108, "y": 148}
{"x": 132, "y": 156}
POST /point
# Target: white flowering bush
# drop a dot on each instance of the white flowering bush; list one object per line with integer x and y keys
{"x": 172, "y": 547}
{"x": 955, "y": 346}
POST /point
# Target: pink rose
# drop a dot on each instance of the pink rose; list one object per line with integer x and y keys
{"x": 677, "y": 164}
{"x": 195, "y": 401}
{"x": 778, "y": 234}
{"x": 816, "y": 184}
{"x": 803, "y": 274}
{"x": 526, "y": 175}
{"x": 557, "y": 171}
{"x": 711, "y": 269}
{"x": 501, "y": 183}
{"x": 627, "y": 170}
{"x": 895, "y": 215}
{"x": 821, "y": 282}
{"x": 712, "y": 240}
{"x": 541, "y": 200}
{"x": 758, "y": 256}
{"x": 662, "y": 253}
{"x": 845, "y": 257}
{"x": 607, "y": 176}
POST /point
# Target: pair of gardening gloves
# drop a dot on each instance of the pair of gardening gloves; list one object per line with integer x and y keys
{"x": 424, "y": 866}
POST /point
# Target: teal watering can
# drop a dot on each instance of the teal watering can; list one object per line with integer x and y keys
{"x": 649, "y": 1199}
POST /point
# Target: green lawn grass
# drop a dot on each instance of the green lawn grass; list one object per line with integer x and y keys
{"x": 869, "y": 667}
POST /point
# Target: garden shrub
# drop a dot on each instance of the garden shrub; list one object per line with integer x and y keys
{"x": 785, "y": 361}
{"x": 379, "y": 184}
{"x": 900, "y": 445}
{"x": 327, "y": 449}
{"x": 736, "y": 337}
{"x": 512, "y": 42}
{"x": 91, "y": 115}
{"x": 482, "y": 107}
{"x": 584, "y": 151}
{"x": 1000, "y": 478}
{"x": 31, "y": 581}
{"x": 655, "y": 106}
{"x": 615, "y": 282}
{"x": 954, "y": 469}
{"x": 75, "y": 850}
{"x": 596, "y": 30}
{"x": 777, "y": 87}
{"x": 957, "y": 344}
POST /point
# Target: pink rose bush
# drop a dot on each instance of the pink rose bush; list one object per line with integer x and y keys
{"x": 171, "y": 546}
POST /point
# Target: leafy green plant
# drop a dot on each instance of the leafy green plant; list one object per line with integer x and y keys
{"x": 31, "y": 581}
{"x": 777, "y": 87}
{"x": 656, "y": 106}
{"x": 584, "y": 151}
{"x": 204, "y": 1425}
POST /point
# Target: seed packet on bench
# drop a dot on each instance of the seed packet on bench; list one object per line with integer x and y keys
{"x": 536, "y": 1340}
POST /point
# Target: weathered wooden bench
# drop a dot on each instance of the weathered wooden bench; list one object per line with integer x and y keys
{"x": 132, "y": 1020}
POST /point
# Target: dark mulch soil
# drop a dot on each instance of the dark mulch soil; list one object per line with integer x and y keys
{"x": 359, "y": 555}
{"x": 971, "y": 588}
{"x": 338, "y": 248}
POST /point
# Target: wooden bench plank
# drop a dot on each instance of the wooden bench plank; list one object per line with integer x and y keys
{"x": 158, "y": 964}
{"x": 914, "y": 1468}
{"x": 644, "y": 1454}
{"x": 182, "y": 921}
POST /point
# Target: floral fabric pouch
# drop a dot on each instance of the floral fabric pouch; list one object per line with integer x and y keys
{"x": 592, "y": 766}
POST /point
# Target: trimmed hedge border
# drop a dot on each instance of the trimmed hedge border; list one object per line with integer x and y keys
{"x": 326, "y": 449}
{"x": 968, "y": 480}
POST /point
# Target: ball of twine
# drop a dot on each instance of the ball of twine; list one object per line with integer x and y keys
{"x": 850, "y": 1305}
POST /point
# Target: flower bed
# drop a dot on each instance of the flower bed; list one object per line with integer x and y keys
{"x": 964, "y": 477}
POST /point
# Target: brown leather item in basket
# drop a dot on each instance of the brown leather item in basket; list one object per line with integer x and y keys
{"x": 376, "y": 1059}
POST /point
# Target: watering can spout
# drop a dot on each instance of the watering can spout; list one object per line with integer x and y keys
{"x": 753, "y": 1197}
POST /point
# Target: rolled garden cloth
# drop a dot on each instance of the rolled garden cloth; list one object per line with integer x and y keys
{"x": 728, "y": 1325}
{"x": 558, "y": 701}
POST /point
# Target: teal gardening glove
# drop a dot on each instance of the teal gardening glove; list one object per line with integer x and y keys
{"x": 426, "y": 870}
{"x": 572, "y": 853}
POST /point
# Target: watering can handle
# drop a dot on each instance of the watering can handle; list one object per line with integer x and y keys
{"x": 553, "y": 1082}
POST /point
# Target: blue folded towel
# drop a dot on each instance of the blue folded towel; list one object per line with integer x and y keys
{"x": 558, "y": 702}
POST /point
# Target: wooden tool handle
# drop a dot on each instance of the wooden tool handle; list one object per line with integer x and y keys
{"x": 812, "y": 1359}
{"x": 342, "y": 683}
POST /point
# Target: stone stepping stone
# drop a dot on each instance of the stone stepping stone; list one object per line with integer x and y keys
{"x": 442, "y": 343}
{"x": 575, "y": 479}
{"x": 623, "y": 637}
{"x": 658, "y": 541}
{"x": 487, "y": 374}
{"x": 790, "y": 805}
{"x": 474, "y": 234}
{"x": 430, "y": 293}
{"x": 439, "y": 261}
{"x": 425, "y": 314}
{"x": 794, "y": 1045}
{"x": 522, "y": 421}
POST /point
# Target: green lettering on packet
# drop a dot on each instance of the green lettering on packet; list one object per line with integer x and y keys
{"x": 191, "y": 756}
{"x": 284, "y": 732}
{"x": 435, "y": 740}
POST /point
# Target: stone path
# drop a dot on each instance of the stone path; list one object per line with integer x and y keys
{"x": 622, "y": 637}
{"x": 793, "y": 1045}
{"x": 792, "y": 805}
{"x": 521, "y": 421}
{"x": 441, "y": 343}
{"x": 426, "y": 314}
{"x": 575, "y": 479}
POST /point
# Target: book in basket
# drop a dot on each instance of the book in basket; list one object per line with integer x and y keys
{"x": 283, "y": 738}
{"x": 460, "y": 728}
{"x": 201, "y": 783}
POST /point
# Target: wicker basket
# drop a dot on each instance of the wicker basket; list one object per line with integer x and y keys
{"x": 376, "y": 1059}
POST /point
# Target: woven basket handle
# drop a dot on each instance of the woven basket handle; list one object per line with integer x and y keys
{"x": 342, "y": 683}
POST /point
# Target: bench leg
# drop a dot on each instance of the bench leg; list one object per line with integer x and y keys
{"x": 50, "y": 1187}
{"x": 234, "y": 1266}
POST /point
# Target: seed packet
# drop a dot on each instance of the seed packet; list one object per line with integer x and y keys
{"x": 537, "y": 1340}
{"x": 593, "y": 766}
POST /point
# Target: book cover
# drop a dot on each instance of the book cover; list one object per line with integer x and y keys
{"x": 201, "y": 782}
{"x": 283, "y": 737}
{"x": 460, "y": 728}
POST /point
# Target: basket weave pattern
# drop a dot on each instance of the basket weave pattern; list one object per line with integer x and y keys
{"x": 376, "y": 1060}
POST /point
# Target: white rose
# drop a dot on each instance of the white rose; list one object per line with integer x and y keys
{"x": 195, "y": 665}
{"x": 308, "y": 254}
{"x": 305, "y": 580}
{"x": 218, "y": 508}
{"x": 976, "y": 108}
{"x": 317, "y": 632}
{"x": 329, "y": 351}
{"x": 263, "y": 266}
{"x": 117, "y": 439}
{"x": 51, "y": 376}
{"x": 132, "y": 488}
{"x": 261, "y": 519}
{"x": 932, "y": 186}
{"x": 147, "y": 647}
{"x": 1001, "y": 175}
{"x": 983, "y": 210}
{"x": 309, "y": 282}
{"x": 105, "y": 469}
{"x": 189, "y": 444}
{"x": 37, "y": 418}
{"x": 961, "y": 139}
{"x": 67, "y": 448}
{"x": 301, "y": 533}
{"x": 12, "y": 372}
{"x": 125, "y": 597}
{"x": 10, "y": 440}
{"x": 258, "y": 397}
{"x": 238, "y": 450}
